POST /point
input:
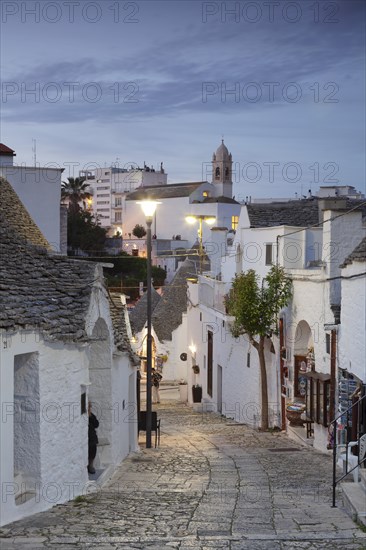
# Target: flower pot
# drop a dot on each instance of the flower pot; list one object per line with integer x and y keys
{"x": 197, "y": 394}
{"x": 183, "y": 393}
{"x": 295, "y": 418}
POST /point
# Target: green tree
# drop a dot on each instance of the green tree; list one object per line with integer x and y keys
{"x": 75, "y": 189}
{"x": 139, "y": 231}
{"x": 130, "y": 271}
{"x": 158, "y": 275}
{"x": 255, "y": 308}
{"x": 84, "y": 232}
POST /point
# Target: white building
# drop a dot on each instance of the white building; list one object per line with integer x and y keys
{"x": 64, "y": 342}
{"x": 310, "y": 238}
{"x": 169, "y": 325}
{"x": 179, "y": 200}
{"x": 109, "y": 187}
{"x": 352, "y": 340}
{"x": 40, "y": 190}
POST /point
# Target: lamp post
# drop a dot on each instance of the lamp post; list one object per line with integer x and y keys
{"x": 192, "y": 218}
{"x": 148, "y": 208}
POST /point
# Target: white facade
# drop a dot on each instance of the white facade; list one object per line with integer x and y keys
{"x": 172, "y": 368}
{"x": 235, "y": 378}
{"x": 109, "y": 186}
{"x": 170, "y": 215}
{"x": 40, "y": 191}
{"x": 311, "y": 257}
{"x": 352, "y": 337}
{"x": 339, "y": 191}
{"x": 44, "y": 432}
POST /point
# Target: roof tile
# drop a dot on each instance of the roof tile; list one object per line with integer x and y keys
{"x": 357, "y": 255}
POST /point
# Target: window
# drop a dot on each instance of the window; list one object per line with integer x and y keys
{"x": 83, "y": 403}
{"x": 205, "y": 194}
{"x": 217, "y": 173}
{"x": 327, "y": 343}
{"x": 209, "y": 362}
{"x": 269, "y": 252}
{"x": 318, "y": 398}
{"x": 234, "y": 222}
{"x": 118, "y": 201}
{"x": 102, "y": 188}
{"x": 102, "y": 202}
{"x": 102, "y": 194}
{"x": 103, "y": 210}
{"x": 118, "y": 216}
{"x": 106, "y": 173}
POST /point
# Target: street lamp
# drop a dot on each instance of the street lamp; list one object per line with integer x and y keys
{"x": 210, "y": 220}
{"x": 148, "y": 208}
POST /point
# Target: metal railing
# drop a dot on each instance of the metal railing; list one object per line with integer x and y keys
{"x": 359, "y": 404}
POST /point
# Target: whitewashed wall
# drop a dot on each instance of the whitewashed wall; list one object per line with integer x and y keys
{"x": 340, "y": 237}
{"x": 170, "y": 217}
{"x": 63, "y": 430}
{"x": 112, "y": 387}
{"x": 59, "y": 472}
{"x": 352, "y": 336}
{"x": 240, "y": 383}
{"x": 174, "y": 369}
{"x": 39, "y": 189}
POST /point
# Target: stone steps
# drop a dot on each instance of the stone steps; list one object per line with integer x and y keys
{"x": 355, "y": 497}
{"x": 363, "y": 478}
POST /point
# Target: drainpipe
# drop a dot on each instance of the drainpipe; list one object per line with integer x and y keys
{"x": 277, "y": 247}
{"x": 333, "y": 373}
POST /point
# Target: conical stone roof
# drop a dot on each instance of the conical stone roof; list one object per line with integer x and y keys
{"x": 138, "y": 316}
{"x": 168, "y": 313}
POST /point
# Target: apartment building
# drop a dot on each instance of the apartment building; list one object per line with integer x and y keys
{"x": 109, "y": 186}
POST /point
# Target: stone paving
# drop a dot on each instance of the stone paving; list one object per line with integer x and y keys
{"x": 212, "y": 484}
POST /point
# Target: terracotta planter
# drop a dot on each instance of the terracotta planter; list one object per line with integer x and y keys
{"x": 295, "y": 418}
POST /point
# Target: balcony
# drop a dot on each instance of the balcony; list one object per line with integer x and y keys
{"x": 211, "y": 293}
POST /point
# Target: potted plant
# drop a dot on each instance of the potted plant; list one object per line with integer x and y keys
{"x": 197, "y": 393}
{"x": 183, "y": 391}
{"x": 294, "y": 412}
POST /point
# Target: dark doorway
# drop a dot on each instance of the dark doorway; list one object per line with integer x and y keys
{"x": 209, "y": 362}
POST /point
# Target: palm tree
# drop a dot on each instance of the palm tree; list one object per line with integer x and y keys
{"x": 75, "y": 189}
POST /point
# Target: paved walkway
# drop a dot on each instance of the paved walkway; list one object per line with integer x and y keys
{"x": 210, "y": 484}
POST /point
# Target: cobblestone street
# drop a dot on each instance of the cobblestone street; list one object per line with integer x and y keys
{"x": 211, "y": 484}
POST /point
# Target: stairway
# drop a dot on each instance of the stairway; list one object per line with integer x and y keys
{"x": 354, "y": 496}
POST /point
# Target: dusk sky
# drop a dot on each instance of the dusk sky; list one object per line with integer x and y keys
{"x": 283, "y": 82}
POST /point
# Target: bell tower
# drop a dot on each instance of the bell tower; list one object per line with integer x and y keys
{"x": 222, "y": 164}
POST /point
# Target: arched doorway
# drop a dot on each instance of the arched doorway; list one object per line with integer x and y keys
{"x": 304, "y": 360}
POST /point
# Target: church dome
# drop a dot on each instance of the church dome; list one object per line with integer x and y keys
{"x": 222, "y": 152}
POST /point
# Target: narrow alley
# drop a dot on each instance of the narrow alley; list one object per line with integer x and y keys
{"x": 211, "y": 483}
